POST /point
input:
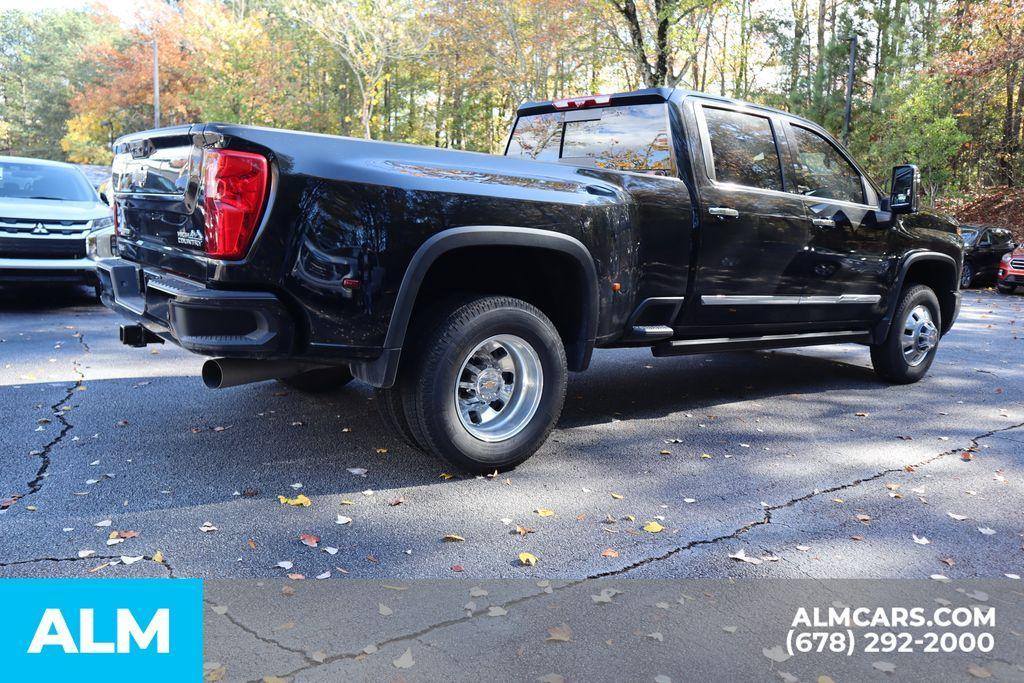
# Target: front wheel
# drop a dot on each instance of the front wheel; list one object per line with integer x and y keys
{"x": 909, "y": 349}
{"x": 489, "y": 384}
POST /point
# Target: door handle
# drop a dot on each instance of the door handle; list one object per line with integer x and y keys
{"x": 724, "y": 212}
{"x": 824, "y": 222}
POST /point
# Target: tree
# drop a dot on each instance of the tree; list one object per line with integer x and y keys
{"x": 42, "y": 63}
{"x": 370, "y": 36}
{"x": 662, "y": 36}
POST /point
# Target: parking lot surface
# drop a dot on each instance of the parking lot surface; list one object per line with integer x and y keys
{"x": 762, "y": 464}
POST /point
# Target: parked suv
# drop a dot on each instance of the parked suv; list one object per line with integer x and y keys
{"x": 464, "y": 286}
{"x": 1011, "y": 271}
{"x": 984, "y": 247}
{"x": 47, "y": 210}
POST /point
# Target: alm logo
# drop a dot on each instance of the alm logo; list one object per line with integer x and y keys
{"x": 101, "y": 629}
{"x": 53, "y": 631}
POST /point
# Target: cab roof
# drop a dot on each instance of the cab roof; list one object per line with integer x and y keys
{"x": 644, "y": 96}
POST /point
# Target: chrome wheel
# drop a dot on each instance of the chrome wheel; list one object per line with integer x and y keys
{"x": 499, "y": 387}
{"x": 919, "y": 335}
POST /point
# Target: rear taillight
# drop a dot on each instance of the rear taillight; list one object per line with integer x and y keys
{"x": 234, "y": 187}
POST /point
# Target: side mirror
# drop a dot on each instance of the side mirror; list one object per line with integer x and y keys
{"x": 105, "y": 198}
{"x": 906, "y": 189}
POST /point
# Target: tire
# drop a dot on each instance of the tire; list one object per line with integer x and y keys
{"x": 392, "y": 411}
{"x": 1006, "y": 289}
{"x": 495, "y": 412}
{"x": 902, "y": 357}
{"x": 967, "y": 276}
{"x": 319, "y": 381}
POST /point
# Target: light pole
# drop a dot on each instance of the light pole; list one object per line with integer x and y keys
{"x": 156, "y": 86}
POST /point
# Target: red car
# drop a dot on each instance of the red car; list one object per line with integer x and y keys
{"x": 1011, "y": 270}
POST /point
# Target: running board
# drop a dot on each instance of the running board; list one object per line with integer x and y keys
{"x": 683, "y": 347}
{"x": 650, "y": 333}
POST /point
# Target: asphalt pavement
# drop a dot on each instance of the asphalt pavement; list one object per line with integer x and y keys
{"x": 748, "y": 465}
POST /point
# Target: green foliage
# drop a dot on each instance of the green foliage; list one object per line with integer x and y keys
{"x": 42, "y": 64}
{"x": 936, "y": 82}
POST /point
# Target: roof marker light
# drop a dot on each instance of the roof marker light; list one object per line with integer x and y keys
{"x": 582, "y": 102}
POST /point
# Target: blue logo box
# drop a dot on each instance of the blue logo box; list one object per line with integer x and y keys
{"x": 102, "y": 629}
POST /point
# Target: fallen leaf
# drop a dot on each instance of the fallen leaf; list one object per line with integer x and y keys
{"x": 776, "y": 654}
{"x": 496, "y": 611}
{"x": 863, "y": 519}
{"x": 395, "y": 502}
{"x": 986, "y": 530}
{"x": 522, "y": 530}
{"x": 617, "y": 496}
{"x": 978, "y": 671}
{"x": 86, "y": 553}
{"x": 608, "y": 552}
{"x": 543, "y": 512}
{"x": 384, "y": 610}
{"x": 653, "y": 527}
{"x": 948, "y": 561}
{"x": 742, "y": 556}
{"x": 856, "y": 537}
{"x": 957, "y": 517}
{"x": 560, "y": 634}
{"x": 884, "y": 667}
{"x": 104, "y": 523}
{"x": 298, "y": 501}
{"x": 207, "y": 527}
{"x": 284, "y": 564}
{"x": 405, "y": 661}
{"x": 158, "y": 557}
{"x": 357, "y": 471}
{"x": 920, "y": 540}
{"x": 527, "y": 559}
{"x": 453, "y": 538}
{"x": 310, "y": 540}
{"x": 605, "y": 595}
{"x": 342, "y": 519}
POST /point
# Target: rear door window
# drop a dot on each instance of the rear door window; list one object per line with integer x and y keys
{"x": 822, "y": 171}
{"x": 625, "y": 138}
{"x": 743, "y": 149}
{"x": 633, "y": 138}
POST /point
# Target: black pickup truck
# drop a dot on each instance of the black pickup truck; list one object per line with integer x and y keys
{"x": 464, "y": 286}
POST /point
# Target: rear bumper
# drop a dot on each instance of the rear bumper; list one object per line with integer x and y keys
{"x": 47, "y": 270}
{"x": 238, "y": 324}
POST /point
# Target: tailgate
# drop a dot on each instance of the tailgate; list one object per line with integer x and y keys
{"x": 156, "y": 183}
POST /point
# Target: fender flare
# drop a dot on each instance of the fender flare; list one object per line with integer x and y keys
{"x": 881, "y": 330}
{"x": 383, "y": 371}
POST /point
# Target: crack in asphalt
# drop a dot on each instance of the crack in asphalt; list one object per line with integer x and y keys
{"x": 59, "y": 411}
{"x": 263, "y": 639}
{"x": 765, "y": 520}
{"x": 165, "y": 564}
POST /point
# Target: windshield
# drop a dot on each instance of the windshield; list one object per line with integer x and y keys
{"x": 969, "y": 235}
{"x": 26, "y": 180}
